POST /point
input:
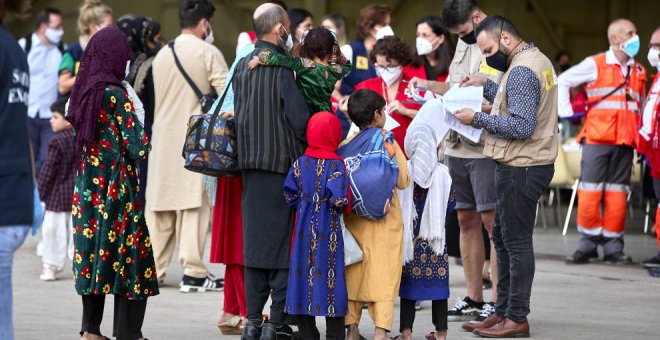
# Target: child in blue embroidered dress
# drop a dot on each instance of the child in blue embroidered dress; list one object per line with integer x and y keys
{"x": 317, "y": 185}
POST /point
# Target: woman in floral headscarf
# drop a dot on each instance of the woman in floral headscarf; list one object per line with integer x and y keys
{"x": 113, "y": 252}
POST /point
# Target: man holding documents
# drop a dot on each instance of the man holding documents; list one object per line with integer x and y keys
{"x": 521, "y": 136}
{"x": 471, "y": 172}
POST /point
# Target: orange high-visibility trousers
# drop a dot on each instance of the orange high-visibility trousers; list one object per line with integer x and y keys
{"x": 614, "y": 217}
{"x": 589, "y": 219}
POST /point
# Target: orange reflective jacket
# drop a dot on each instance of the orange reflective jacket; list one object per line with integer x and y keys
{"x": 614, "y": 119}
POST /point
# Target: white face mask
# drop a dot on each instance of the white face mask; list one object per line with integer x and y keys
{"x": 390, "y": 74}
{"x": 209, "y": 36}
{"x": 289, "y": 40}
{"x": 424, "y": 46}
{"x": 384, "y": 32}
{"x": 654, "y": 57}
{"x": 54, "y": 35}
{"x": 128, "y": 69}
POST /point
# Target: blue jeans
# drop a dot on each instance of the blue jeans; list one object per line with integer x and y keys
{"x": 518, "y": 192}
{"x": 10, "y": 239}
{"x": 40, "y": 133}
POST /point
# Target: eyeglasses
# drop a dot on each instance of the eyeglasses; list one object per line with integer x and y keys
{"x": 390, "y": 68}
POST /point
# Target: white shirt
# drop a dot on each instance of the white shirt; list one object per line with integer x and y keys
{"x": 647, "y": 118}
{"x": 585, "y": 72}
{"x": 243, "y": 40}
{"x": 44, "y": 62}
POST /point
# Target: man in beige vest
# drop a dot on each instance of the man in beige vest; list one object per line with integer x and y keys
{"x": 473, "y": 175}
{"x": 178, "y": 210}
{"x": 521, "y": 136}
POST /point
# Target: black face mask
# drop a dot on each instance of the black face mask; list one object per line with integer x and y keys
{"x": 469, "y": 38}
{"x": 498, "y": 60}
{"x": 564, "y": 67}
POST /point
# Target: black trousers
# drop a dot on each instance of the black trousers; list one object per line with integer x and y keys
{"x": 335, "y": 329}
{"x": 261, "y": 283}
{"x": 438, "y": 314}
{"x": 128, "y": 316}
{"x": 518, "y": 192}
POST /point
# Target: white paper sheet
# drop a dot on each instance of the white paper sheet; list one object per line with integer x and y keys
{"x": 458, "y": 98}
{"x": 432, "y": 113}
{"x": 469, "y": 97}
{"x": 466, "y": 131}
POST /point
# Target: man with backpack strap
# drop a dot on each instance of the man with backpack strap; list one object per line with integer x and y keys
{"x": 43, "y": 49}
{"x": 614, "y": 82}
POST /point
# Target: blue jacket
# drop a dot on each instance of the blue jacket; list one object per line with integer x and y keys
{"x": 16, "y": 180}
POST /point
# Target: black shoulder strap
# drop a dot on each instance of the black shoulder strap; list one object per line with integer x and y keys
{"x": 625, "y": 81}
{"x": 183, "y": 72}
{"x": 28, "y": 43}
{"x": 214, "y": 117}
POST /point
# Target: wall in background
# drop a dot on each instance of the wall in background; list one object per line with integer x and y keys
{"x": 576, "y": 26}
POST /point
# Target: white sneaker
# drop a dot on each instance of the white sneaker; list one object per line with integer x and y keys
{"x": 47, "y": 274}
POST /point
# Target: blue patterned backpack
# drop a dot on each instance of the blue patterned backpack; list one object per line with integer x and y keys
{"x": 210, "y": 146}
{"x": 372, "y": 172}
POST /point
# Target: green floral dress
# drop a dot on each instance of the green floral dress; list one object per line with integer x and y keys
{"x": 315, "y": 80}
{"x": 113, "y": 252}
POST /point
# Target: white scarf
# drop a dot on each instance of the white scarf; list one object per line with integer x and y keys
{"x": 427, "y": 172}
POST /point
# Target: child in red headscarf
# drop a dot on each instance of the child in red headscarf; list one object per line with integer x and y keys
{"x": 317, "y": 185}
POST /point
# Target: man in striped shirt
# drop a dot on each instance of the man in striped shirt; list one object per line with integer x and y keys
{"x": 271, "y": 122}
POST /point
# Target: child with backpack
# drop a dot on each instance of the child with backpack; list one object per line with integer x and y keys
{"x": 318, "y": 68}
{"x": 317, "y": 186}
{"x": 377, "y": 223}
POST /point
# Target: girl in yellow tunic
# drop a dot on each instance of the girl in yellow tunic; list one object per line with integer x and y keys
{"x": 376, "y": 279}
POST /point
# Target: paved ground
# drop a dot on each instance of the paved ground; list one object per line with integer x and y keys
{"x": 596, "y": 301}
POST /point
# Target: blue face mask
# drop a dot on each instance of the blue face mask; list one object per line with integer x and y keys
{"x": 631, "y": 46}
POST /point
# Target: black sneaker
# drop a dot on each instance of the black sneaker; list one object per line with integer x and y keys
{"x": 580, "y": 257}
{"x": 653, "y": 262}
{"x": 191, "y": 284}
{"x": 464, "y": 310}
{"x": 618, "y": 258}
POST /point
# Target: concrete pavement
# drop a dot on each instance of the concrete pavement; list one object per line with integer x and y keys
{"x": 595, "y": 301}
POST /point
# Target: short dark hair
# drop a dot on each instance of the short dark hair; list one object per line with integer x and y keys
{"x": 43, "y": 16}
{"x": 297, "y": 16}
{"x": 319, "y": 42}
{"x": 457, "y": 12}
{"x": 59, "y": 106}
{"x": 361, "y": 106}
{"x": 371, "y": 16}
{"x": 392, "y": 47}
{"x": 264, "y": 23}
{"x": 495, "y": 25}
{"x": 192, "y": 11}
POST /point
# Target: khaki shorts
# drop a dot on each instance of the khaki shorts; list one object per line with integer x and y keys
{"x": 474, "y": 182}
